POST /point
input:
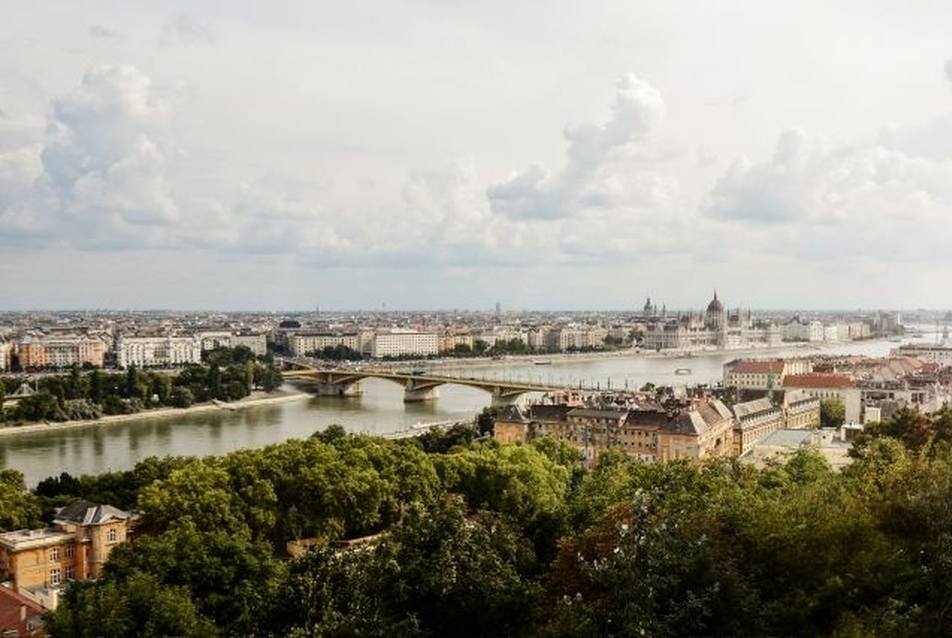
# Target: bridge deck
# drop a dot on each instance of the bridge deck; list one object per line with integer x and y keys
{"x": 343, "y": 376}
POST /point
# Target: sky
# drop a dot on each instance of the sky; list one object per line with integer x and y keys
{"x": 423, "y": 154}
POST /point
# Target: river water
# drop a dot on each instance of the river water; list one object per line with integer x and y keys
{"x": 95, "y": 449}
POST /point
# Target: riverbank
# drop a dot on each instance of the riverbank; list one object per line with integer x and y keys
{"x": 254, "y": 399}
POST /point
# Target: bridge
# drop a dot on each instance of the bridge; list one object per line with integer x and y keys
{"x": 417, "y": 385}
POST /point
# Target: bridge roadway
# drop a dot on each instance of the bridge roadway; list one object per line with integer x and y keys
{"x": 417, "y": 386}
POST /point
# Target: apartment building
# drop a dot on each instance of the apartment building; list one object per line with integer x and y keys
{"x": 257, "y": 342}
{"x": 762, "y": 374}
{"x": 303, "y": 343}
{"x": 829, "y": 386}
{"x": 157, "y": 351}
{"x": 40, "y": 352}
{"x": 404, "y": 343}
{"x": 754, "y": 421}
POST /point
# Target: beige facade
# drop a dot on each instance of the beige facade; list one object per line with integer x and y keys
{"x": 405, "y": 343}
{"x": 829, "y": 386}
{"x": 257, "y": 342}
{"x": 304, "y": 343}
{"x": 755, "y": 420}
{"x": 36, "y": 353}
{"x": 762, "y": 374}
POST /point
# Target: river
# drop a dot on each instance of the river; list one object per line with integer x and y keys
{"x": 95, "y": 449}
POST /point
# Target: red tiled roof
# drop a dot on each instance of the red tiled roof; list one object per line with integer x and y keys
{"x": 17, "y": 612}
{"x": 817, "y": 380}
{"x": 755, "y": 366}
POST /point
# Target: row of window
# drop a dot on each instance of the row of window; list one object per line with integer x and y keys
{"x": 57, "y": 575}
{"x": 112, "y": 536}
{"x": 69, "y": 550}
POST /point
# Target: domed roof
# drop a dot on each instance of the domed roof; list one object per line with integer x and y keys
{"x": 715, "y": 305}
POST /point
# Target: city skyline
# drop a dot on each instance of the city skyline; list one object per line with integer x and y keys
{"x": 549, "y": 156}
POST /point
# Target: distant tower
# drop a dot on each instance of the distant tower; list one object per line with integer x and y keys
{"x": 716, "y": 316}
{"x": 649, "y": 309}
{"x": 715, "y": 320}
{"x": 498, "y": 309}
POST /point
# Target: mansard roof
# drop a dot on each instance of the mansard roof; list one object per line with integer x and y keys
{"x": 753, "y": 407}
{"x": 86, "y": 513}
{"x": 700, "y": 418}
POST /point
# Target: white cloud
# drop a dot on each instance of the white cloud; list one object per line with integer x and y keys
{"x": 820, "y": 201}
{"x": 106, "y": 161}
{"x": 607, "y": 165}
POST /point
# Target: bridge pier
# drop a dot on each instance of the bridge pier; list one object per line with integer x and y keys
{"x": 411, "y": 395}
{"x": 324, "y": 389}
{"x": 501, "y": 399}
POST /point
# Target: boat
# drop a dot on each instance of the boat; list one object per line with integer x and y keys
{"x": 542, "y": 362}
{"x": 683, "y": 371}
{"x": 225, "y": 406}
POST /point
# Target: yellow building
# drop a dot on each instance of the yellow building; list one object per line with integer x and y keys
{"x": 37, "y": 562}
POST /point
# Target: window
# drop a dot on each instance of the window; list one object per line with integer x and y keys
{"x": 55, "y": 576}
{"x": 70, "y": 573}
{"x": 112, "y": 537}
{"x": 70, "y": 550}
{"x": 54, "y": 553}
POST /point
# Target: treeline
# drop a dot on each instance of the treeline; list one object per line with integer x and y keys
{"x": 227, "y": 374}
{"x": 476, "y": 539}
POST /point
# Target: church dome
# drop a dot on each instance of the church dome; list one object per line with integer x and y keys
{"x": 715, "y": 306}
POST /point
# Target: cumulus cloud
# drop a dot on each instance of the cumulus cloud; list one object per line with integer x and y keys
{"x": 106, "y": 163}
{"x": 185, "y": 30}
{"x": 822, "y": 200}
{"x": 607, "y": 165}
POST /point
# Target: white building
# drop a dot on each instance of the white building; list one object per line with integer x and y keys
{"x": 157, "y": 351}
{"x": 796, "y": 330}
{"x": 304, "y": 343}
{"x": 256, "y": 342}
{"x": 400, "y": 343}
{"x": 5, "y": 349}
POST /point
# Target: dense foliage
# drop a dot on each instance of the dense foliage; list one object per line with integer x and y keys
{"x": 227, "y": 374}
{"x": 468, "y": 537}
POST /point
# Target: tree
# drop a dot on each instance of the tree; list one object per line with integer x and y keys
{"x": 132, "y": 382}
{"x": 215, "y": 381}
{"x": 832, "y": 412}
{"x": 201, "y": 491}
{"x": 455, "y": 574}
{"x": 97, "y": 388}
{"x": 645, "y": 570}
{"x": 226, "y": 578}
{"x": 19, "y": 509}
{"x": 139, "y": 606}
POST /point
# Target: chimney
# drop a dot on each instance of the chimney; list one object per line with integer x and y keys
{"x": 22, "y": 613}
